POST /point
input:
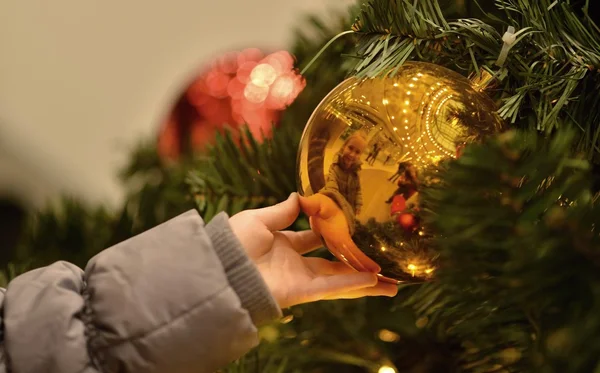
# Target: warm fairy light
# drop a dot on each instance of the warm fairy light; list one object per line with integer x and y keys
{"x": 429, "y": 270}
{"x": 386, "y": 369}
{"x": 412, "y": 268}
{"x": 395, "y": 128}
{"x": 388, "y": 336}
{"x": 406, "y": 102}
{"x": 383, "y": 248}
{"x": 385, "y": 101}
{"x": 263, "y": 75}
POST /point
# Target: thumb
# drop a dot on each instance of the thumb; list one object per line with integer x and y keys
{"x": 313, "y": 205}
{"x": 281, "y": 215}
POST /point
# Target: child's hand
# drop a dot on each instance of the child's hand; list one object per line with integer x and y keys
{"x": 329, "y": 221}
{"x": 292, "y": 278}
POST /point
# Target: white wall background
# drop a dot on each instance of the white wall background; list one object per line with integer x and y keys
{"x": 81, "y": 81}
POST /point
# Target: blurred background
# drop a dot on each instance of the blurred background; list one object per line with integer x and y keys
{"x": 81, "y": 82}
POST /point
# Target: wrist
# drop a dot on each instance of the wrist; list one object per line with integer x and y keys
{"x": 242, "y": 274}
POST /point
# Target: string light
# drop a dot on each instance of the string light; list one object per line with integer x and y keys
{"x": 386, "y": 369}
{"x": 388, "y": 336}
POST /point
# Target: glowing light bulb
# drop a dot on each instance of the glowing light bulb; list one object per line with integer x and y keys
{"x": 382, "y": 248}
{"x": 263, "y": 75}
{"x": 388, "y": 336}
{"x": 412, "y": 268}
{"x": 386, "y": 369}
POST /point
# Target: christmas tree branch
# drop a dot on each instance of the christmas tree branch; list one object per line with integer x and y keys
{"x": 514, "y": 220}
{"x": 553, "y": 62}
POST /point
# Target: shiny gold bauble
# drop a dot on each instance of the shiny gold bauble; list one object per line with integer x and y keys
{"x": 363, "y": 149}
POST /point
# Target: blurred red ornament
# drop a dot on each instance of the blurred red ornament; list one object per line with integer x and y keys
{"x": 398, "y": 204}
{"x": 407, "y": 221}
{"x": 239, "y": 88}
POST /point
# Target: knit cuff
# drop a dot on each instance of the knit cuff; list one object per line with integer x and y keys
{"x": 242, "y": 274}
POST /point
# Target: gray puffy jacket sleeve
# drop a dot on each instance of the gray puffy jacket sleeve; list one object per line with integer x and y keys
{"x": 180, "y": 298}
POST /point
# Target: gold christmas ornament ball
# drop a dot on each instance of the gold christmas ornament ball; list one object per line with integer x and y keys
{"x": 361, "y": 154}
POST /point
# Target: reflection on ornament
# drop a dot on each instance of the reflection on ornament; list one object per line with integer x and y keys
{"x": 364, "y": 148}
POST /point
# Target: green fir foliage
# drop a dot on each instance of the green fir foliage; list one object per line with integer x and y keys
{"x": 552, "y": 65}
{"x": 512, "y": 221}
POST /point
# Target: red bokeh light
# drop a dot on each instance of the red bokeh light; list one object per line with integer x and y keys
{"x": 238, "y": 88}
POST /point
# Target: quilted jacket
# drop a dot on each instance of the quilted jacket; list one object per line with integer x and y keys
{"x": 180, "y": 298}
